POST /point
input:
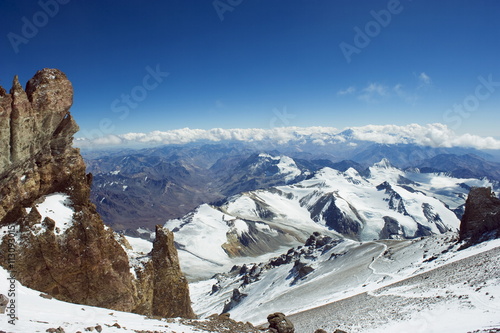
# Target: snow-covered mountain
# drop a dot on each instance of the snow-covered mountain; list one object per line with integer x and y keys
{"x": 383, "y": 203}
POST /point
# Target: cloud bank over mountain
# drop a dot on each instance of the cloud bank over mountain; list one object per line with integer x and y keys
{"x": 432, "y": 135}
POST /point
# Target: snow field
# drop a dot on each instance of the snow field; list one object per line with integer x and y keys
{"x": 37, "y": 314}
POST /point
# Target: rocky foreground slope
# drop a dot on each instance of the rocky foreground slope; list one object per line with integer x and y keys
{"x": 53, "y": 240}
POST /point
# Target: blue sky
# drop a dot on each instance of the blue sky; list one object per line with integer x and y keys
{"x": 261, "y": 63}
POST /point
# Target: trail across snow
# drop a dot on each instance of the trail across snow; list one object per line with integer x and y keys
{"x": 374, "y": 270}
{"x": 461, "y": 296}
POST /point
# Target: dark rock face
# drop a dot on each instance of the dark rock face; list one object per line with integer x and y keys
{"x": 481, "y": 219}
{"x": 392, "y": 229}
{"x": 326, "y": 209}
{"x": 83, "y": 263}
{"x": 395, "y": 202}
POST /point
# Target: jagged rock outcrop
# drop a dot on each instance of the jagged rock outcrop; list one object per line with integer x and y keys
{"x": 79, "y": 261}
{"x": 162, "y": 289}
{"x": 481, "y": 219}
{"x": 170, "y": 287}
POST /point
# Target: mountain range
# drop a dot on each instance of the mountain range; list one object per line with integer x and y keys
{"x": 134, "y": 188}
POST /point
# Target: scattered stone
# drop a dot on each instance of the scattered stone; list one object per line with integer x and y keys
{"x": 55, "y": 330}
{"x": 320, "y": 331}
{"x": 222, "y": 324}
{"x": 4, "y": 301}
{"x": 47, "y": 296}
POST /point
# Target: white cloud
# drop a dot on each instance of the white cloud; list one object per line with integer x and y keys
{"x": 433, "y": 135}
{"x": 373, "y": 92}
{"x": 349, "y": 91}
{"x": 424, "y": 79}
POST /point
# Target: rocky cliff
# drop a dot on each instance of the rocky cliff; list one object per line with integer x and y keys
{"x": 481, "y": 219}
{"x": 61, "y": 245}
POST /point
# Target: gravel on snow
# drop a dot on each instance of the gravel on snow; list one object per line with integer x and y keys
{"x": 456, "y": 285}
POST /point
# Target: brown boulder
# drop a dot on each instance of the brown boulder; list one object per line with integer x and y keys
{"x": 279, "y": 322}
{"x": 481, "y": 219}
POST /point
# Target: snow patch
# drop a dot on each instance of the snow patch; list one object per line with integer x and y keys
{"x": 56, "y": 206}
